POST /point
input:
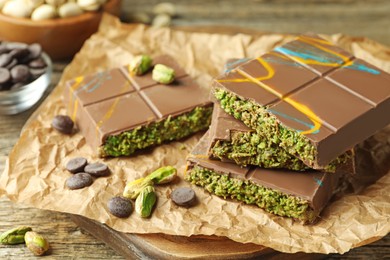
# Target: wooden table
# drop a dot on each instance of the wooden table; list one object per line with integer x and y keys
{"x": 67, "y": 240}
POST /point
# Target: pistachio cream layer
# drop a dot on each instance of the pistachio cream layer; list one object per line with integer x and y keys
{"x": 170, "y": 129}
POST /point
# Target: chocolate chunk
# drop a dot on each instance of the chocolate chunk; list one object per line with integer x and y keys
{"x": 16, "y": 45}
{"x": 37, "y": 72}
{"x": 97, "y": 169}
{"x": 183, "y": 196}
{"x": 120, "y": 207}
{"x": 76, "y": 165}
{"x": 5, "y": 59}
{"x": 35, "y": 51}
{"x": 5, "y": 76}
{"x": 63, "y": 124}
{"x": 20, "y": 73}
{"x": 37, "y": 63}
{"x": 79, "y": 181}
{"x": 12, "y": 64}
{"x": 19, "y": 54}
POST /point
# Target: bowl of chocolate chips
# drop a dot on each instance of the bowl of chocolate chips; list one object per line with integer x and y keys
{"x": 25, "y": 72}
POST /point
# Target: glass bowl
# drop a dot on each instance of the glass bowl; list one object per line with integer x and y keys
{"x": 20, "y": 99}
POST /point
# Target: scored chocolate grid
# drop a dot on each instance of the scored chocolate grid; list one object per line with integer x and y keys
{"x": 141, "y": 93}
{"x": 310, "y": 82}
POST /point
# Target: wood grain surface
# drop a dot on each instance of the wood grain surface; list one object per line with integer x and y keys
{"x": 67, "y": 240}
{"x": 368, "y": 18}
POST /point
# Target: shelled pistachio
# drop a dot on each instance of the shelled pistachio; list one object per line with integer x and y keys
{"x": 145, "y": 201}
{"x": 14, "y": 236}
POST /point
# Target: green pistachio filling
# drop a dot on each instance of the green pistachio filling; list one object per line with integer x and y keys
{"x": 169, "y": 129}
{"x": 251, "y": 193}
{"x": 257, "y": 117}
{"x": 249, "y": 148}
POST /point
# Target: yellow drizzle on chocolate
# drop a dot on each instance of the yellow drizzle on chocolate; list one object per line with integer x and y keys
{"x": 111, "y": 110}
{"x": 270, "y": 73}
{"x": 317, "y": 122}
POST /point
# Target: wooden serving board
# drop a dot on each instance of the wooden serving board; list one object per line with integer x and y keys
{"x": 161, "y": 246}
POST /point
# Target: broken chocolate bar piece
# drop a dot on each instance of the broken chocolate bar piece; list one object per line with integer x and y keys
{"x": 293, "y": 194}
{"x": 120, "y": 113}
{"x": 308, "y": 96}
{"x": 232, "y": 141}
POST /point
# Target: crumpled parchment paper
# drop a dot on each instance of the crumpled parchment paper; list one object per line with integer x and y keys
{"x": 35, "y": 173}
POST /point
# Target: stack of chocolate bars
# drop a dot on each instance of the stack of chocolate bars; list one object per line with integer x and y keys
{"x": 285, "y": 125}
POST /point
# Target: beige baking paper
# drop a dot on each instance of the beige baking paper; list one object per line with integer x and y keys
{"x": 35, "y": 174}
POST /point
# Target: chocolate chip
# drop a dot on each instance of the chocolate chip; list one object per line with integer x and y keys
{"x": 12, "y": 64}
{"x": 3, "y": 48}
{"x": 5, "y": 59}
{"x": 184, "y": 196}
{"x": 97, "y": 169}
{"x": 76, "y": 165}
{"x": 20, "y": 73}
{"x": 79, "y": 181}
{"x": 63, "y": 124}
{"x": 19, "y": 54}
{"x": 37, "y": 72}
{"x": 35, "y": 50}
{"x": 16, "y": 45}
{"x": 5, "y": 76}
{"x": 37, "y": 63}
{"x": 120, "y": 207}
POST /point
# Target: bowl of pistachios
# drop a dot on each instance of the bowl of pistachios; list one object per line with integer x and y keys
{"x": 59, "y": 26}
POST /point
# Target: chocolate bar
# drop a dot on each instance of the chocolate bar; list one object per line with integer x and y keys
{"x": 232, "y": 141}
{"x": 308, "y": 96}
{"x": 293, "y": 194}
{"x": 120, "y": 113}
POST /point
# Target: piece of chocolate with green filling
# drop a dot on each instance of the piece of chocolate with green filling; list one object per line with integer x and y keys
{"x": 119, "y": 113}
{"x": 233, "y": 141}
{"x": 308, "y": 96}
{"x": 297, "y": 195}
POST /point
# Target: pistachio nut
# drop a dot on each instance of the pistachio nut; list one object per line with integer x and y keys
{"x": 162, "y": 20}
{"x": 69, "y": 9}
{"x": 134, "y": 188}
{"x": 14, "y": 236}
{"x": 89, "y": 5}
{"x": 35, "y": 3}
{"x": 17, "y": 8}
{"x": 140, "y": 64}
{"x": 37, "y": 244}
{"x": 162, "y": 175}
{"x": 44, "y": 12}
{"x": 145, "y": 201}
{"x": 163, "y": 74}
